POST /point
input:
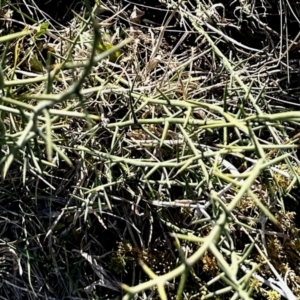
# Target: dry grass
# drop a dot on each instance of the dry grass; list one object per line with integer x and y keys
{"x": 150, "y": 157}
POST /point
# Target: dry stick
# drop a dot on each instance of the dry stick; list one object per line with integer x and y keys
{"x": 231, "y": 39}
{"x": 161, "y": 35}
{"x": 293, "y": 42}
{"x": 292, "y": 139}
{"x": 175, "y": 48}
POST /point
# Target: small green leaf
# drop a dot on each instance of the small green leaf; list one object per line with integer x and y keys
{"x": 35, "y": 64}
{"x": 41, "y": 30}
{"x": 104, "y": 46}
